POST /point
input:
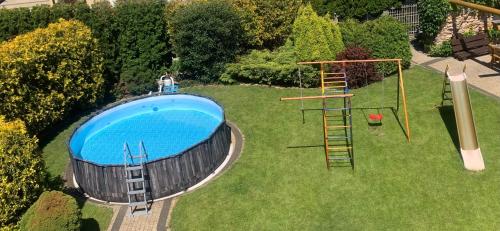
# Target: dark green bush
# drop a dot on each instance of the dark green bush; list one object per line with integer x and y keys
{"x": 315, "y": 38}
{"x": 272, "y": 68}
{"x": 54, "y": 210}
{"x": 360, "y": 9}
{"x": 432, "y": 16}
{"x": 441, "y": 50}
{"x": 143, "y": 44}
{"x": 206, "y": 35}
{"x": 385, "y": 37}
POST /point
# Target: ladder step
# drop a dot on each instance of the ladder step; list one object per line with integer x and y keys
{"x": 140, "y": 212}
{"x": 339, "y": 158}
{"x": 138, "y": 203}
{"x": 135, "y": 180}
{"x": 338, "y": 126}
{"x": 133, "y": 168}
{"x": 336, "y": 109}
{"x": 334, "y": 87}
{"x": 138, "y": 157}
{"x": 337, "y": 116}
{"x": 340, "y": 148}
{"x": 339, "y": 137}
{"x": 141, "y": 191}
{"x": 334, "y": 73}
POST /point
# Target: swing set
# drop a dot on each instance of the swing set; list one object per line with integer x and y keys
{"x": 337, "y": 116}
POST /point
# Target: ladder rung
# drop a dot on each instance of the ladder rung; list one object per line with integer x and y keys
{"x": 135, "y": 180}
{"x": 137, "y": 157}
{"x": 339, "y": 126}
{"x": 141, "y": 191}
{"x": 329, "y": 78}
{"x": 340, "y": 148}
{"x": 132, "y": 168}
{"x": 339, "y": 137}
{"x": 339, "y": 158}
{"x": 138, "y": 203}
{"x": 334, "y": 73}
{"x": 337, "y": 116}
{"x": 334, "y": 87}
{"x": 140, "y": 212}
{"x": 330, "y": 82}
{"x": 336, "y": 109}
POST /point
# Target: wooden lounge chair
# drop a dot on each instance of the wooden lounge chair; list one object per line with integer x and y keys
{"x": 469, "y": 47}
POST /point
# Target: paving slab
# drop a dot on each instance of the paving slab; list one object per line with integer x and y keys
{"x": 480, "y": 73}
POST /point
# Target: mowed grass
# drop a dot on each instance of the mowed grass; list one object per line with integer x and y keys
{"x": 281, "y": 182}
{"x": 56, "y": 157}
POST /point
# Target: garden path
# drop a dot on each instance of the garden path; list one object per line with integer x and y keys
{"x": 481, "y": 74}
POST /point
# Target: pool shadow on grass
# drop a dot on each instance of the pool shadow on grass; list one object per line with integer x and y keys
{"x": 448, "y": 116}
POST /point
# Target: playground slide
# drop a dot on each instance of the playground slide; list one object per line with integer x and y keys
{"x": 469, "y": 147}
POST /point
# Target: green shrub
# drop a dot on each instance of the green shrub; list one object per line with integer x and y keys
{"x": 360, "y": 9}
{"x": 272, "y": 68}
{"x": 385, "y": 37}
{"x": 54, "y": 210}
{"x": 21, "y": 171}
{"x": 48, "y": 72}
{"x": 432, "y": 16}
{"x": 441, "y": 50}
{"x": 267, "y": 23}
{"x": 205, "y": 36}
{"x": 315, "y": 37}
{"x": 143, "y": 44}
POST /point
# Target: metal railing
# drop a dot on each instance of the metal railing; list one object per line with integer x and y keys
{"x": 407, "y": 14}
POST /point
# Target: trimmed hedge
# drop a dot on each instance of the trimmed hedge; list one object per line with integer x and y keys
{"x": 385, "y": 37}
{"x": 271, "y": 68}
{"x": 48, "y": 72}
{"x": 205, "y": 36}
{"x": 21, "y": 171}
{"x": 54, "y": 210}
{"x": 267, "y": 23}
{"x": 140, "y": 23}
{"x": 315, "y": 38}
{"x": 360, "y": 9}
{"x": 143, "y": 45}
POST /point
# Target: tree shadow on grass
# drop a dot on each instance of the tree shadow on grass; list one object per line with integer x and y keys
{"x": 448, "y": 116}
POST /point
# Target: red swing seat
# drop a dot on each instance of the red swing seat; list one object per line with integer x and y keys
{"x": 376, "y": 117}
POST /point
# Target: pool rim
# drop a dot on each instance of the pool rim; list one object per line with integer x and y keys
{"x": 135, "y": 98}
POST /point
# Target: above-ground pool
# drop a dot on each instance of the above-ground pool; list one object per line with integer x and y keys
{"x": 184, "y": 136}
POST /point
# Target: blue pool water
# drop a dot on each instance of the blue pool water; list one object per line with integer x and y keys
{"x": 167, "y": 125}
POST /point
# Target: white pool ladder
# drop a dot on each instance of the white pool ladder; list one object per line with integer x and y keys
{"x": 135, "y": 183}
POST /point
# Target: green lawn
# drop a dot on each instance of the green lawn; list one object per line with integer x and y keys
{"x": 55, "y": 154}
{"x": 279, "y": 185}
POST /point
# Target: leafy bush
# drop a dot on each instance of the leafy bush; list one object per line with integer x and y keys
{"x": 360, "y": 74}
{"x": 385, "y": 37}
{"x": 54, "y": 210}
{"x": 21, "y": 171}
{"x": 360, "y": 9}
{"x": 272, "y": 68}
{"x": 206, "y": 35}
{"x": 47, "y": 72}
{"x": 432, "y": 16}
{"x": 143, "y": 44}
{"x": 267, "y": 23}
{"x": 494, "y": 35}
{"x": 315, "y": 37}
{"x": 441, "y": 50}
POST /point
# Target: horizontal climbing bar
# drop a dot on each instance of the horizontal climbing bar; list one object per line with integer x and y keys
{"x": 353, "y": 61}
{"x": 318, "y": 97}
